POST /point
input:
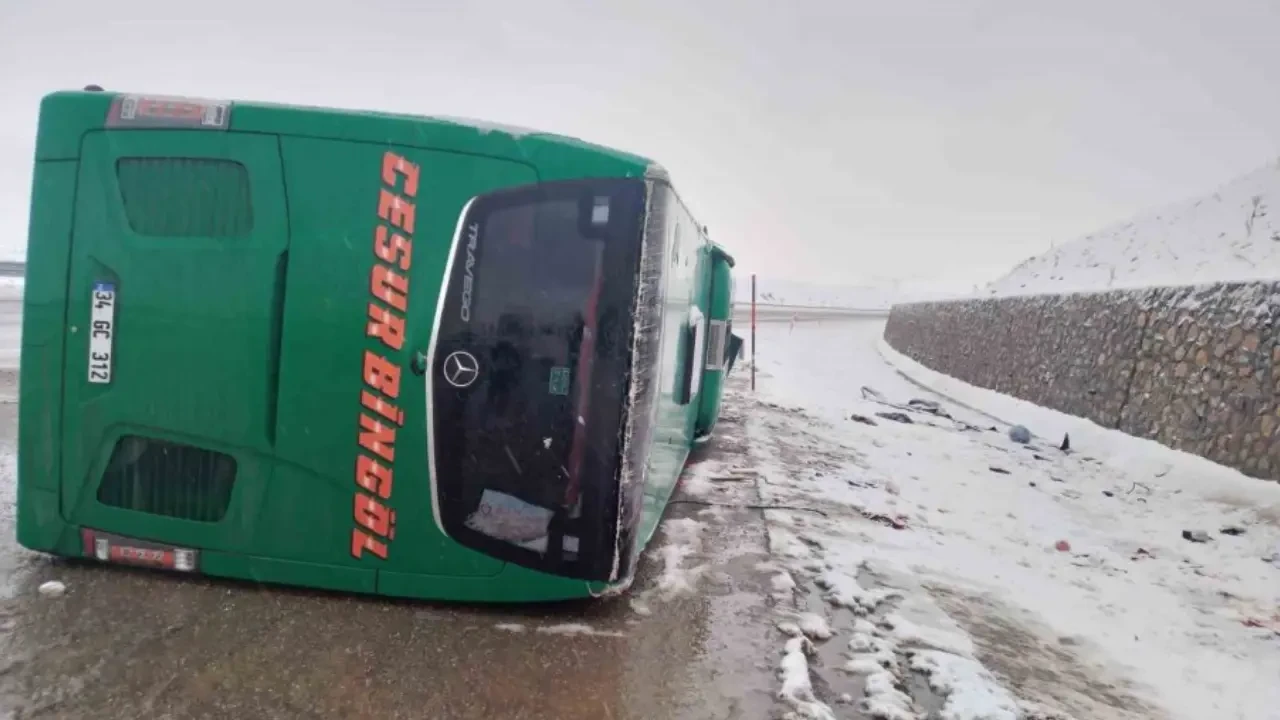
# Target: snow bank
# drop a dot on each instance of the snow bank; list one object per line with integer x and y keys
{"x": 844, "y": 591}
{"x": 797, "y": 686}
{"x": 971, "y": 692}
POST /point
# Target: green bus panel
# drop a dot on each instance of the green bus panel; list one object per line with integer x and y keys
{"x": 228, "y": 316}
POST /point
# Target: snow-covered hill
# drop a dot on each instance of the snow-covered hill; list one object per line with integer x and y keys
{"x": 1231, "y": 235}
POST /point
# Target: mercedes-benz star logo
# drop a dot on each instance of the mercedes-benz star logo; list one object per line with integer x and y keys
{"x": 461, "y": 369}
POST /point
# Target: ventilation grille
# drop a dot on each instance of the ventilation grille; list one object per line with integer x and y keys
{"x": 185, "y": 197}
{"x": 169, "y": 479}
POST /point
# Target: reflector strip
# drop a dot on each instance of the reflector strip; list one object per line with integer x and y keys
{"x": 158, "y": 111}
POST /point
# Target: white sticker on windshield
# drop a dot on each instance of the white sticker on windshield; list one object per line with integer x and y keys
{"x": 509, "y": 518}
{"x": 600, "y": 211}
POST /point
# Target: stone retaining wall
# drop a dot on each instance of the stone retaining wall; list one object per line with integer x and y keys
{"x": 1194, "y": 368}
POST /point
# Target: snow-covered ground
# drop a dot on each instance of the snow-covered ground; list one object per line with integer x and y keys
{"x": 935, "y": 568}
{"x": 789, "y": 292}
{"x": 11, "y": 290}
{"x": 876, "y": 296}
{"x": 1232, "y": 234}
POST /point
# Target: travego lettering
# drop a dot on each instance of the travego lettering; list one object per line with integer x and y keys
{"x": 468, "y": 270}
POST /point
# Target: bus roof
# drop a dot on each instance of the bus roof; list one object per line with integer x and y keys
{"x": 66, "y": 115}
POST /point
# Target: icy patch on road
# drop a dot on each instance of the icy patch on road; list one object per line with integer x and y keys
{"x": 578, "y": 629}
{"x": 567, "y": 629}
{"x": 683, "y": 538}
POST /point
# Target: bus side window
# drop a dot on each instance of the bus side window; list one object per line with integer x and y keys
{"x": 684, "y": 393}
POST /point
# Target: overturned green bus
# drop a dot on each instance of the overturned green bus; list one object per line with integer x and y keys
{"x": 408, "y": 356}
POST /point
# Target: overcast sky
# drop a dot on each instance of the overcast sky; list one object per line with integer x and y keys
{"x": 843, "y": 142}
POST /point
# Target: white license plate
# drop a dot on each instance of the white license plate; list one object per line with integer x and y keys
{"x": 102, "y": 331}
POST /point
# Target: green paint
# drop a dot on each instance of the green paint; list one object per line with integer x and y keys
{"x": 719, "y": 316}
{"x": 246, "y": 338}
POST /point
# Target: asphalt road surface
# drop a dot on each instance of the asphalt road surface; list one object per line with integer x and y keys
{"x": 132, "y": 644}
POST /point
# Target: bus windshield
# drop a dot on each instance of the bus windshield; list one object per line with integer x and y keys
{"x": 530, "y": 372}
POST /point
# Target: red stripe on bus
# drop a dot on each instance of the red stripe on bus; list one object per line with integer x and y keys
{"x": 586, "y": 361}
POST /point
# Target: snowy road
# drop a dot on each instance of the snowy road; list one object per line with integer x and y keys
{"x": 920, "y": 558}
{"x": 935, "y": 546}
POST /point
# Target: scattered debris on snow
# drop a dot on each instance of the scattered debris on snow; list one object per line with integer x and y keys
{"x": 1176, "y": 648}
{"x": 997, "y": 551}
{"x": 1274, "y": 557}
